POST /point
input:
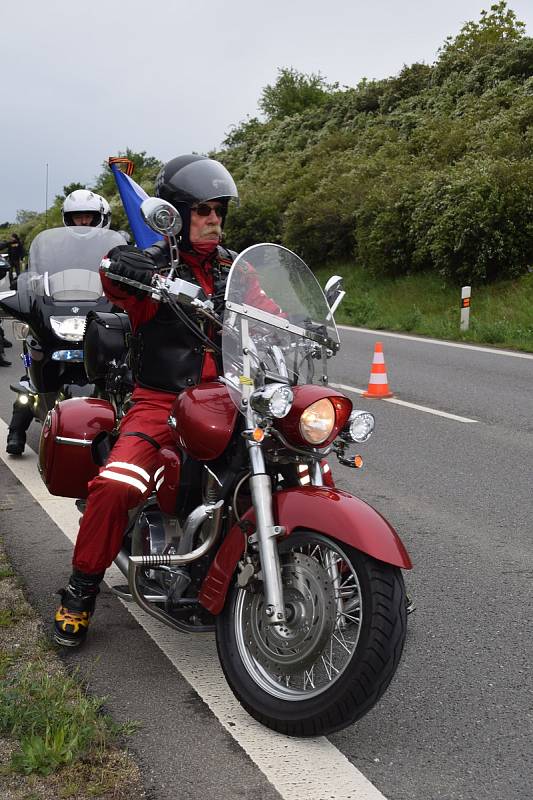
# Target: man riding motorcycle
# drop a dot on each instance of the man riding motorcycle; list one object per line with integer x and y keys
{"x": 85, "y": 208}
{"x": 165, "y": 358}
{"x": 81, "y": 209}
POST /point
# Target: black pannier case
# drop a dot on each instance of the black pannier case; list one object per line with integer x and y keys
{"x": 105, "y": 340}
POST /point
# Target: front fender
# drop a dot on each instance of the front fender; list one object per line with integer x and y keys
{"x": 333, "y": 512}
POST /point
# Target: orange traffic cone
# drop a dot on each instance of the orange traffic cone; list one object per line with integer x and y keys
{"x": 378, "y": 385}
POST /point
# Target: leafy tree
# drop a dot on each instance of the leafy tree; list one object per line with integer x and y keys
{"x": 23, "y": 216}
{"x": 293, "y": 92}
{"x": 497, "y": 26}
{"x": 72, "y": 187}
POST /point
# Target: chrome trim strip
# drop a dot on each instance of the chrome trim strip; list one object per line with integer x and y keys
{"x": 75, "y": 442}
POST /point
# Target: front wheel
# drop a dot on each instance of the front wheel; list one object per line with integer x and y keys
{"x": 332, "y": 660}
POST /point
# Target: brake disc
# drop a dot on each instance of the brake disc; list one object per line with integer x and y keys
{"x": 295, "y": 645}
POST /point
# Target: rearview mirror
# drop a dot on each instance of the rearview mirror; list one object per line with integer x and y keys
{"x": 334, "y": 293}
{"x": 161, "y": 216}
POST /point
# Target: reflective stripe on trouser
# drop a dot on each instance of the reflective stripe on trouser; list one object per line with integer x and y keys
{"x": 122, "y": 483}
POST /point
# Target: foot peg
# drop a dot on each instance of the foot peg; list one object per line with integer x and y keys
{"x": 123, "y": 591}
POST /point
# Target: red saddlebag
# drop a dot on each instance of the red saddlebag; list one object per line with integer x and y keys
{"x": 65, "y": 459}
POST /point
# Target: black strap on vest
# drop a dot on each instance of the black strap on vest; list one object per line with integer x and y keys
{"x": 145, "y": 437}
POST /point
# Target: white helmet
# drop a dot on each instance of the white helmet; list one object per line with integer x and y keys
{"x": 83, "y": 200}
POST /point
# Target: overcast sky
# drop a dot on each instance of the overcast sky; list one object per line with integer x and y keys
{"x": 83, "y": 80}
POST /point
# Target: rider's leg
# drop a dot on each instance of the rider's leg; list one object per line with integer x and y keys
{"x": 21, "y": 419}
{"x": 122, "y": 484}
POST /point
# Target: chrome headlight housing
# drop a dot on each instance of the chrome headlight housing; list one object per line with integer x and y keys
{"x": 317, "y": 421}
{"x": 69, "y": 328}
{"x": 274, "y": 400}
{"x": 20, "y": 330}
{"x": 359, "y": 427}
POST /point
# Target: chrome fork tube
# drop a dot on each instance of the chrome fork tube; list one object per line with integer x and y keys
{"x": 267, "y": 533}
{"x": 315, "y": 474}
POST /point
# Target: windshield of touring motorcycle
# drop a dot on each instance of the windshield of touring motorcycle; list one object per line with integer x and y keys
{"x": 63, "y": 264}
{"x": 277, "y": 323}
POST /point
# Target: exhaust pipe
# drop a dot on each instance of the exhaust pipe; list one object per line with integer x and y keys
{"x": 208, "y": 512}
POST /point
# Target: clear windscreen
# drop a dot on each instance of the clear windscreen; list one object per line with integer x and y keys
{"x": 64, "y": 264}
{"x": 277, "y": 322}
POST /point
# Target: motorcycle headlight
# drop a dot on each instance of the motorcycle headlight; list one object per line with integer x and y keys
{"x": 69, "y": 328}
{"x": 274, "y": 400}
{"x": 67, "y": 355}
{"x": 317, "y": 421}
{"x": 359, "y": 427}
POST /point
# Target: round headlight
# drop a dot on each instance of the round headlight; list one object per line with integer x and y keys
{"x": 359, "y": 426}
{"x": 274, "y": 400}
{"x": 317, "y": 421}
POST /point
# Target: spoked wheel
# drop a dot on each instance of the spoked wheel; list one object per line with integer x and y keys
{"x": 334, "y": 657}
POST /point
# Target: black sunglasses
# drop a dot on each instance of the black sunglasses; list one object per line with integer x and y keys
{"x": 204, "y": 209}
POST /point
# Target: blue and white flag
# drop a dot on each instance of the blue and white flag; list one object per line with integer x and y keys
{"x": 132, "y": 196}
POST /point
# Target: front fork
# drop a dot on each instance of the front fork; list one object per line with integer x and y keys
{"x": 267, "y": 533}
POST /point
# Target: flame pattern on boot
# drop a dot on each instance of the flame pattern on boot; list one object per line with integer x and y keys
{"x": 73, "y": 625}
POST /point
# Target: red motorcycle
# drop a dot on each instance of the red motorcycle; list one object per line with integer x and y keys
{"x": 244, "y": 533}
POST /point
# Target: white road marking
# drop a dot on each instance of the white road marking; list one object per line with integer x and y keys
{"x": 456, "y": 417}
{"x": 490, "y": 351}
{"x": 299, "y": 769}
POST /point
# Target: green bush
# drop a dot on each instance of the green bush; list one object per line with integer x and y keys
{"x": 474, "y": 222}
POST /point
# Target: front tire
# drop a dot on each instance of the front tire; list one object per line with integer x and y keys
{"x": 339, "y": 650}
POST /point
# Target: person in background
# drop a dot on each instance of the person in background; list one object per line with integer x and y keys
{"x": 3, "y": 344}
{"x": 81, "y": 208}
{"x": 16, "y": 253}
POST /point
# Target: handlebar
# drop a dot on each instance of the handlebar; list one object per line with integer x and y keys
{"x": 161, "y": 288}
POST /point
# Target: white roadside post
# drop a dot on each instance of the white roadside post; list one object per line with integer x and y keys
{"x": 465, "y": 307}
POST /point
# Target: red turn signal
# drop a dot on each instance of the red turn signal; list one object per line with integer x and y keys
{"x": 358, "y": 461}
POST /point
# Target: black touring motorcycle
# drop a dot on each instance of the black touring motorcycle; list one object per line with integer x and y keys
{"x": 60, "y": 287}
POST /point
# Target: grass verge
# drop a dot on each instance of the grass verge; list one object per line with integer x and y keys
{"x": 501, "y": 314}
{"x": 55, "y": 739}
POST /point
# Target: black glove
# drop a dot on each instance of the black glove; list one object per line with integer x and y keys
{"x": 129, "y": 262}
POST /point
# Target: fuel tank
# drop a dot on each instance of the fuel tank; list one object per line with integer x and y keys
{"x": 203, "y": 420}
{"x": 65, "y": 459}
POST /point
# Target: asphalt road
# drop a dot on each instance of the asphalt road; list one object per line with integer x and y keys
{"x": 456, "y": 723}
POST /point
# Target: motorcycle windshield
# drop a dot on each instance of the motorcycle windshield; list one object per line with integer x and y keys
{"x": 63, "y": 263}
{"x": 277, "y": 322}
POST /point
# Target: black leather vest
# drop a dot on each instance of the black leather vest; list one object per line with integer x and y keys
{"x": 164, "y": 354}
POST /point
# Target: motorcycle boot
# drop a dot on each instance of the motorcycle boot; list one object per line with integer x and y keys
{"x": 16, "y": 441}
{"x": 71, "y": 621}
{"x": 20, "y": 422}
